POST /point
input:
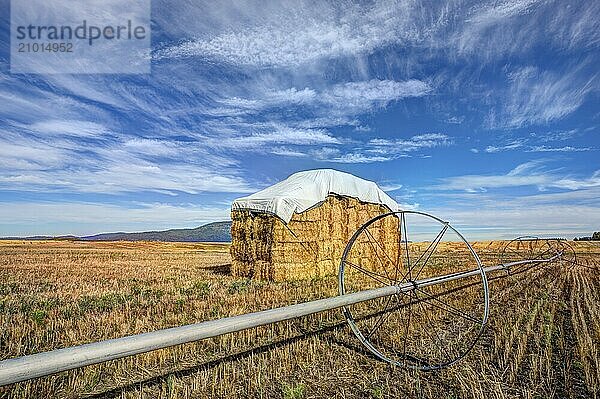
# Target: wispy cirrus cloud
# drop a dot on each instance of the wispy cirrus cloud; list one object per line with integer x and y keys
{"x": 77, "y": 128}
{"x": 357, "y": 157}
{"x": 533, "y": 143}
{"x": 491, "y": 30}
{"x": 364, "y": 95}
{"x": 566, "y": 213}
{"x": 279, "y": 135}
{"x": 567, "y": 148}
{"x": 308, "y": 112}
{"x": 343, "y": 99}
{"x": 488, "y": 21}
{"x": 294, "y": 35}
{"x": 512, "y": 145}
{"x": 301, "y": 34}
{"x": 383, "y": 150}
{"x": 535, "y": 96}
{"x": 54, "y": 162}
{"x": 556, "y": 135}
{"x": 532, "y": 173}
{"x": 390, "y": 186}
{"x": 414, "y": 143}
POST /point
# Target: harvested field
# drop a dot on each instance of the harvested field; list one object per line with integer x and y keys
{"x": 541, "y": 340}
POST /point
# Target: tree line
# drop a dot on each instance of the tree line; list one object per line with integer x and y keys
{"x": 594, "y": 237}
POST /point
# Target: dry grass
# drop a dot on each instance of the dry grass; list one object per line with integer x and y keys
{"x": 542, "y": 339}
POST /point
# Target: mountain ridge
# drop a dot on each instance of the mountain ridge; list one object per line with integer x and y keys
{"x": 211, "y": 232}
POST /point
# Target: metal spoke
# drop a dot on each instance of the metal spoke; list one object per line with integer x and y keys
{"x": 518, "y": 255}
{"x": 384, "y": 316}
{"x": 407, "y": 328}
{"x": 437, "y": 240}
{"x": 369, "y": 273}
{"x": 451, "y": 309}
{"x": 409, "y": 268}
{"x": 398, "y": 257}
{"x": 375, "y": 250}
{"x": 441, "y": 346}
{"x": 550, "y": 249}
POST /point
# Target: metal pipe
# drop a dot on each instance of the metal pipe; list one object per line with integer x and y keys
{"x": 47, "y": 363}
{"x": 489, "y": 269}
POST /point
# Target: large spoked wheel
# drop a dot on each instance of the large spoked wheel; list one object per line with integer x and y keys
{"x": 568, "y": 256}
{"x": 540, "y": 252}
{"x": 433, "y": 322}
{"x": 527, "y": 248}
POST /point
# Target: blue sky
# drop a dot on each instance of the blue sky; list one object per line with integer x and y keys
{"x": 483, "y": 113}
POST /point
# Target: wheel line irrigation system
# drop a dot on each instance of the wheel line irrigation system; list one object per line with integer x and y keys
{"x": 47, "y": 363}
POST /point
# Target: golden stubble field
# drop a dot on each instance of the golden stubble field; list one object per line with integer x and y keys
{"x": 542, "y": 340}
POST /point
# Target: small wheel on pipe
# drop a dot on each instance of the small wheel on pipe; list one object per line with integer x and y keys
{"x": 424, "y": 327}
{"x": 526, "y": 248}
{"x": 568, "y": 256}
{"x": 547, "y": 251}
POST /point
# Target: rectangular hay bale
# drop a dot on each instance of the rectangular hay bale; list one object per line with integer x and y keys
{"x": 310, "y": 245}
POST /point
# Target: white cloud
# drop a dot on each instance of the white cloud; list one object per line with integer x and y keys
{"x": 576, "y": 184}
{"x": 123, "y": 177}
{"x": 53, "y": 163}
{"x": 357, "y": 157}
{"x": 530, "y": 173}
{"x": 484, "y": 19}
{"x": 525, "y": 145}
{"x": 506, "y": 147}
{"x": 153, "y": 147}
{"x": 288, "y": 152}
{"x": 486, "y": 215}
{"x": 568, "y": 148}
{"x": 494, "y": 29}
{"x": 76, "y": 128}
{"x": 390, "y": 186}
{"x": 342, "y": 99}
{"x": 299, "y": 33}
{"x": 396, "y": 146}
{"x": 25, "y": 153}
{"x": 500, "y": 11}
{"x": 280, "y": 135}
{"x": 538, "y": 97}
{"x": 555, "y": 135}
{"x": 276, "y": 98}
{"x": 325, "y": 153}
{"x": 380, "y": 150}
{"x": 364, "y": 95}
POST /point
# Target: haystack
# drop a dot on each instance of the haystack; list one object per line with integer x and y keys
{"x": 299, "y": 227}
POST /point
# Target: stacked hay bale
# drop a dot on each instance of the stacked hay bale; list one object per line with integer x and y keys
{"x": 311, "y": 244}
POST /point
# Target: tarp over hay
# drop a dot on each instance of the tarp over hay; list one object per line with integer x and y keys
{"x": 299, "y": 227}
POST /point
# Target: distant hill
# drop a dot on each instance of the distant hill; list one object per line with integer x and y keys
{"x": 212, "y": 232}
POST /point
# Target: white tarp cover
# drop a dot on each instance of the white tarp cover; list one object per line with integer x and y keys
{"x": 303, "y": 190}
